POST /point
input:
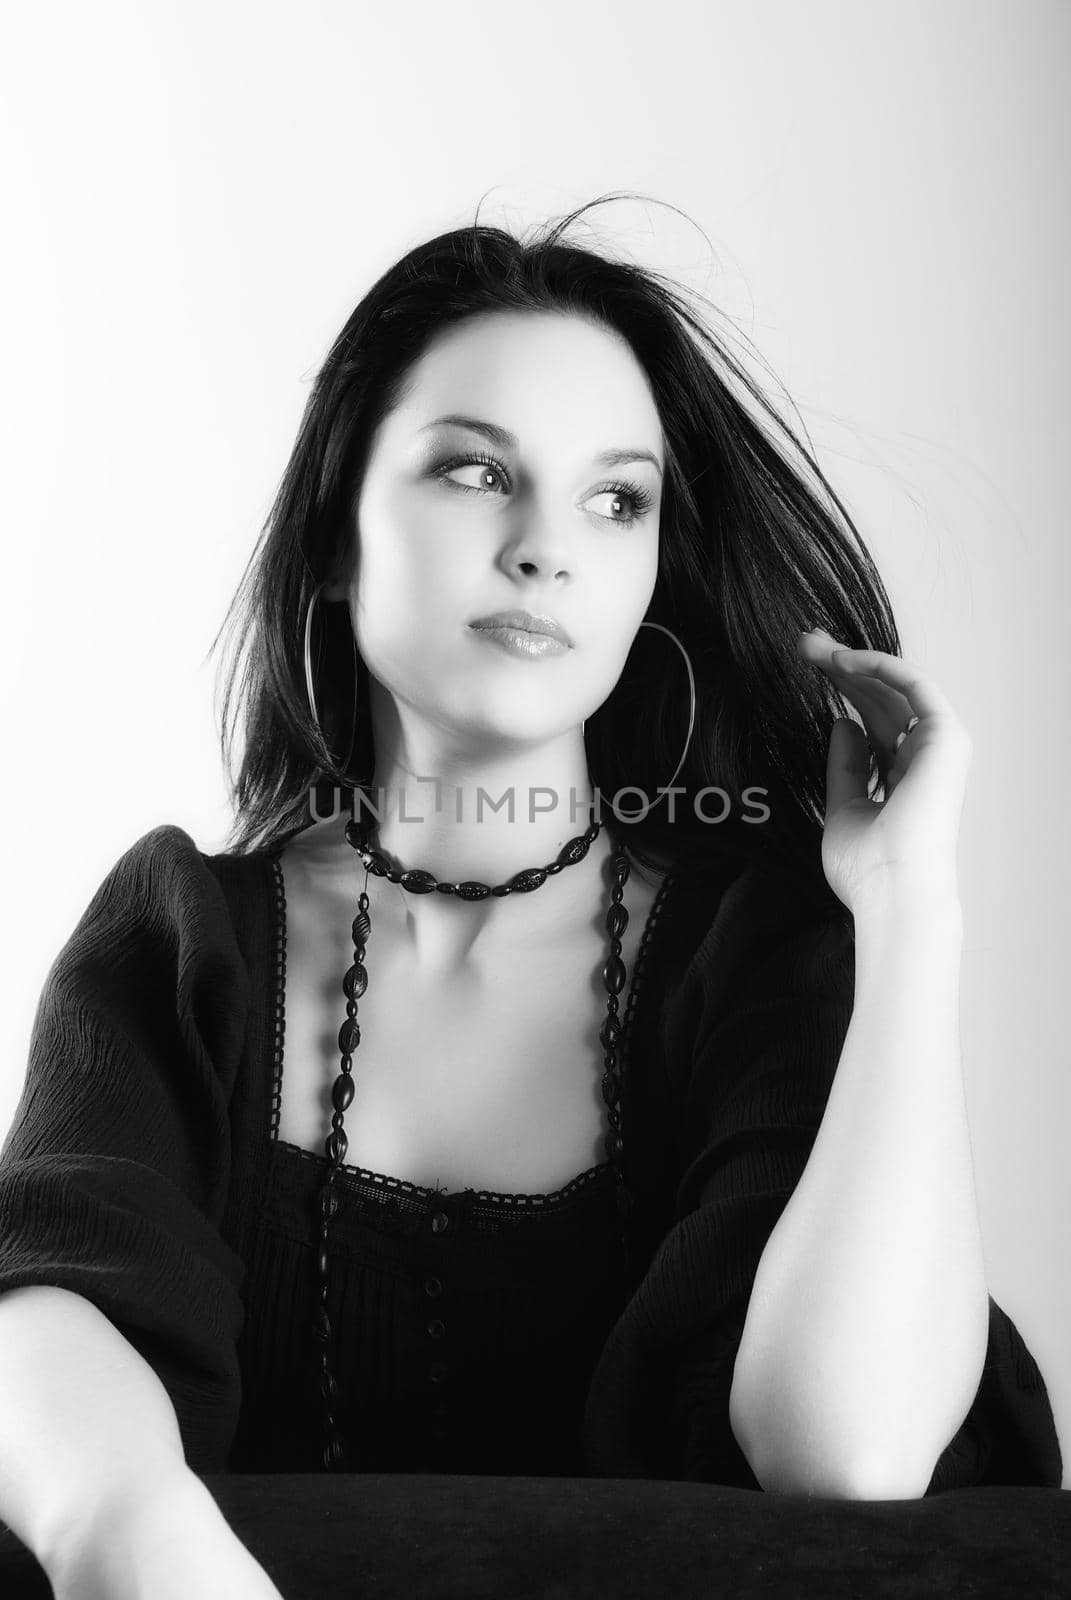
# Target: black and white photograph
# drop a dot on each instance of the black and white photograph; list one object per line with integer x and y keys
{"x": 534, "y": 1063}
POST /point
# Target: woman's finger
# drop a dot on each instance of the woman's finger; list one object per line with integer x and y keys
{"x": 949, "y": 753}
{"x": 822, "y": 650}
{"x": 884, "y": 711}
{"x": 921, "y": 693}
{"x": 846, "y": 765}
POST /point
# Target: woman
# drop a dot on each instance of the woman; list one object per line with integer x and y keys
{"x": 477, "y": 1124}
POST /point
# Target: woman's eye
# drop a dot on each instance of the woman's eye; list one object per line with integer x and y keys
{"x": 625, "y": 505}
{"x": 484, "y": 473}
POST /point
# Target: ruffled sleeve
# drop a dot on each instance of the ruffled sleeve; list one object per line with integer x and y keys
{"x": 753, "y": 1034}
{"x": 115, "y": 1171}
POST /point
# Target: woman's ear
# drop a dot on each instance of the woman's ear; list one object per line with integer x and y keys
{"x": 339, "y": 584}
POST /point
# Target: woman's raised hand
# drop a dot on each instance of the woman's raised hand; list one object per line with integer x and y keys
{"x": 909, "y": 838}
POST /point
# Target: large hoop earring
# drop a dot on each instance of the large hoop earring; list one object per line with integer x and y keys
{"x": 310, "y": 691}
{"x": 691, "y": 702}
{"x": 691, "y": 709}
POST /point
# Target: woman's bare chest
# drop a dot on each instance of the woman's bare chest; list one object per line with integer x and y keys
{"x": 490, "y": 1079}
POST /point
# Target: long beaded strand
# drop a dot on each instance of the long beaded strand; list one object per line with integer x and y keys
{"x": 354, "y": 985}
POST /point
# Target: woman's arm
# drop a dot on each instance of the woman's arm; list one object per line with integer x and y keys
{"x": 755, "y": 1022}
{"x": 90, "y": 1448}
{"x": 120, "y": 1299}
{"x": 867, "y": 1326}
{"x": 866, "y": 1333}
{"x": 84, "y": 1420}
{"x": 116, "y": 1169}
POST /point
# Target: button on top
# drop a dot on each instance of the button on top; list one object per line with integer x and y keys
{"x": 440, "y": 1222}
{"x": 433, "y": 1287}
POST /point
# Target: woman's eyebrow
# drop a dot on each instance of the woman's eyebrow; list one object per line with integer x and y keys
{"x": 508, "y": 441}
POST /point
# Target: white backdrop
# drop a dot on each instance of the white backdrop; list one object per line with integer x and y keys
{"x": 195, "y": 195}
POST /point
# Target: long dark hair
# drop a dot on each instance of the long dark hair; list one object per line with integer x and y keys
{"x": 755, "y": 547}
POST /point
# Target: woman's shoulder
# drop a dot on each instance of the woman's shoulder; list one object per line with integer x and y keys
{"x": 165, "y": 889}
{"x": 167, "y": 845}
{"x": 782, "y": 885}
{"x": 170, "y": 855}
{"x": 150, "y": 871}
{"x": 158, "y": 868}
{"x": 152, "y": 980}
{"x": 739, "y": 921}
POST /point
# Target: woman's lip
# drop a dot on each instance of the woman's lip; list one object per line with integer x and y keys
{"x": 521, "y": 642}
{"x": 525, "y": 622}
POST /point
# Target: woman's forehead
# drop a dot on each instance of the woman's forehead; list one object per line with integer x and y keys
{"x": 508, "y": 369}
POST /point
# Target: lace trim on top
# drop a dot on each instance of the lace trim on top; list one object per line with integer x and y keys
{"x": 399, "y": 1195}
{"x": 381, "y": 1182}
{"x": 393, "y": 1206}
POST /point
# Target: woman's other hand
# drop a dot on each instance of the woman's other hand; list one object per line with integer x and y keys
{"x": 909, "y": 837}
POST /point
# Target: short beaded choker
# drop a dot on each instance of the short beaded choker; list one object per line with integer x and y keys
{"x": 354, "y": 984}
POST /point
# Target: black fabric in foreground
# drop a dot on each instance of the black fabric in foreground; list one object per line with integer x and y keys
{"x": 439, "y": 1537}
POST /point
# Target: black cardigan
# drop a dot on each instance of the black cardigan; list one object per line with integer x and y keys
{"x": 138, "y": 1170}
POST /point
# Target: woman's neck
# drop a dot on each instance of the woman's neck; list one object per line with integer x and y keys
{"x": 445, "y": 933}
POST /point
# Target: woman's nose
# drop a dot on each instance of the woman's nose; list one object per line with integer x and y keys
{"x": 532, "y": 569}
{"x": 538, "y": 546}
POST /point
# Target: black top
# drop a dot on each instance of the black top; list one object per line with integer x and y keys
{"x": 473, "y": 1332}
{"x": 466, "y": 1324}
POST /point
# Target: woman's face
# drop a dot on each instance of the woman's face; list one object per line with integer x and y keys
{"x": 453, "y": 525}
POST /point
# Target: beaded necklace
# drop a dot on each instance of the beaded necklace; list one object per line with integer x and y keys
{"x": 354, "y": 984}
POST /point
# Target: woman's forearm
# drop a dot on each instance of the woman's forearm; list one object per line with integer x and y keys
{"x": 84, "y": 1420}
{"x": 867, "y": 1327}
